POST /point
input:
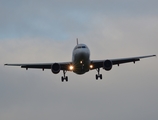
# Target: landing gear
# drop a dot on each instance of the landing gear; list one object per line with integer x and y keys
{"x": 98, "y": 75}
{"x": 64, "y": 77}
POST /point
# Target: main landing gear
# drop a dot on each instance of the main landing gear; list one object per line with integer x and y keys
{"x": 64, "y": 77}
{"x": 98, "y": 75}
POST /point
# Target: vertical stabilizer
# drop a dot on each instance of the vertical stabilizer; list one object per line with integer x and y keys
{"x": 77, "y": 41}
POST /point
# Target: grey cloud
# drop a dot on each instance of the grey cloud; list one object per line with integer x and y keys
{"x": 51, "y": 18}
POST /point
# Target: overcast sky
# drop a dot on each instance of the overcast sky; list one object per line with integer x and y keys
{"x": 35, "y": 31}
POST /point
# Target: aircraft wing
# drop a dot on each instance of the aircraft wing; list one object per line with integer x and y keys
{"x": 99, "y": 63}
{"x": 63, "y": 65}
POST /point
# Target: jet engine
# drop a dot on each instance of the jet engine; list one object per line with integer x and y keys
{"x": 55, "y": 68}
{"x": 107, "y": 65}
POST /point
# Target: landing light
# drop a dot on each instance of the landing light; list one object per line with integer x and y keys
{"x": 91, "y": 66}
{"x": 71, "y": 67}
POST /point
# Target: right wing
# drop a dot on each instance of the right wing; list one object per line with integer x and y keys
{"x": 63, "y": 65}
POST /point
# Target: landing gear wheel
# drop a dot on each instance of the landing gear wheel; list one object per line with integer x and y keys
{"x": 98, "y": 75}
{"x": 64, "y": 77}
{"x": 101, "y": 76}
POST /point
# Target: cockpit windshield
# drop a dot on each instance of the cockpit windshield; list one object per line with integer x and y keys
{"x": 79, "y": 47}
{"x": 83, "y": 46}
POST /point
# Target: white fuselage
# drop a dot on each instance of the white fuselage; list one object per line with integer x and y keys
{"x": 81, "y": 59}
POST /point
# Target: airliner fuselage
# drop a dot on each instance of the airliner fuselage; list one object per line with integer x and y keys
{"x": 81, "y": 59}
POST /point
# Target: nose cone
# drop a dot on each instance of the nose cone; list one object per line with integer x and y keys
{"x": 81, "y": 52}
{"x": 82, "y": 55}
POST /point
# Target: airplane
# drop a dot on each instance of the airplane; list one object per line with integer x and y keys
{"x": 81, "y": 63}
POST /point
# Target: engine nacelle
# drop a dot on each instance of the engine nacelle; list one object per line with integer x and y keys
{"x": 55, "y": 68}
{"x": 107, "y": 65}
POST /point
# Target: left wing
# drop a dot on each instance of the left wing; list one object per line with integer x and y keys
{"x": 63, "y": 65}
{"x": 108, "y": 63}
